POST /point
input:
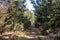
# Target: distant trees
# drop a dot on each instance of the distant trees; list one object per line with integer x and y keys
{"x": 18, "y": 14}
{"x": 47, "y": 14}
{"x": 18, "y": 17}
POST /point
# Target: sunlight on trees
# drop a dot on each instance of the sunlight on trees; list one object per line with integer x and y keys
{"x": 44, "y": 21}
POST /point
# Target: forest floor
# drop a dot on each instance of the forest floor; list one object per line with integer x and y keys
{"x": 34, "y": 34}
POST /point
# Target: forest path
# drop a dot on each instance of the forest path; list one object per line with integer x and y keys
{"x": 33, "y": 35}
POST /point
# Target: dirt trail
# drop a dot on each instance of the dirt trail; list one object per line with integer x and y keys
{"x": 33, "y": 35}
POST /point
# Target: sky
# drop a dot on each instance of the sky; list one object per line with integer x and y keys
{"x": 29, "y": 5}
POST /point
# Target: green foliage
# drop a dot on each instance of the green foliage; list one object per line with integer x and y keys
{"x": 19, "y": 26}
{"x": 19, "y": 18}
{"x": 48, "y": 15}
